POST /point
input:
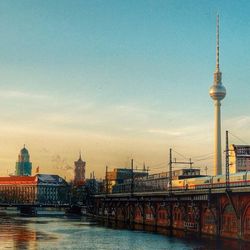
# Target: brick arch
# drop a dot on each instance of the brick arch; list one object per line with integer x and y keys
{"x": 140, "y": 208}
{"x": 149, "y": 212}
{"x": 138, "y": 213}
{"x": 130, "y": 211}
{"x": 228, "y": 221}
{"x": 154, "y": 209}
{"x": 113, "y": 210}
{"x": 121, "y": 213}
{"x": 192, "y": 213}
{"x": 179, "y": 216}
{"x": 246, "y": 222}
{"x": 163, "y": 215}
{"x": 109, "y": 209}
{"x": 208, "y": 221}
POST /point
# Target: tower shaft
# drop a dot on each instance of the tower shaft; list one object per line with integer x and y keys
{"x": 217, "y": 139}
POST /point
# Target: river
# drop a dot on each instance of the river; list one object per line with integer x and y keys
{"x": 62, "y": 232}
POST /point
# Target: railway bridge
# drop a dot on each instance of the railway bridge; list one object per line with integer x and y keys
{"x": 218, "y": 212}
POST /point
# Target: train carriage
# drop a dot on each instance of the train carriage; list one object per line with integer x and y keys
{"x": 178, "y": 184}
{"x": 159, "y": 182}
{"x": 198, "y": 182}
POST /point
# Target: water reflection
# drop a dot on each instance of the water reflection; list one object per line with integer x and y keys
{"x": 18, "y": 233}
{"x": 204, "y": 242}
{"x": 53, "y": 232}
{"x": 14, "y": 233}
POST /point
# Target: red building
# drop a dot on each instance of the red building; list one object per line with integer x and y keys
{"x": 41, "y": 188}
{"x": 79, "y": 178}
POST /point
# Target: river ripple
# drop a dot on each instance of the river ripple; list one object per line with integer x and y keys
{"x": 61, "y": 232}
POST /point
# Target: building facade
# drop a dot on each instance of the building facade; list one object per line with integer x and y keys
{"x": 38, "y": 189}
{"x": 23, "y": 165}
{"x": 239, "y": 158}
{"x": 118, "y": 175}
{"x": 79, "y": 178}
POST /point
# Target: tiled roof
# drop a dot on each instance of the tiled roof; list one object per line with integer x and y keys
{"x": 18, "y": 180}
{"x": 37, "y": 179}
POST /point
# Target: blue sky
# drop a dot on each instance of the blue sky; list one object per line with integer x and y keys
{"x": 118, "y": 79}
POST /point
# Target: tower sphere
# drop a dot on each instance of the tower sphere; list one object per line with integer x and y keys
{"x": 217, "y": 92}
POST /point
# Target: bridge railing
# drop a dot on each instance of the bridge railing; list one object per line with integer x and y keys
{"x": 126, "y": 188}
{"x": 34, "y": 204}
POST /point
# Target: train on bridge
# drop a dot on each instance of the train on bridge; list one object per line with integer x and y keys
{"x": 160, "y": 182}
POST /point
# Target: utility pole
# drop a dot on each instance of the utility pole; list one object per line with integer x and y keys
{"x": 132, "y": 177}
{"x": 190, "y": 163}
{"x": 227, "y": 163}
{"x": 170, "y": 170}
{"x": 171, "y": 162}
{"x": 106, "y": 179}
{"x": 170, "y": 192}
{"x": 206, "y": 169}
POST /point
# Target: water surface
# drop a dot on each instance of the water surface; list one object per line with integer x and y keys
{"x": 61, "y": 232}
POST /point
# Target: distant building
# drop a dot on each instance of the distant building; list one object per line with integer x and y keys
{"x": 239, "y": 158}
{"x": 93, "y": 185}
{"x": 185, "y": 173}
{"x": 118, "y": 175}
{"x": 23, "y": 165}
{"x": 79, "y": 177}
{"x": 41, "y": 188}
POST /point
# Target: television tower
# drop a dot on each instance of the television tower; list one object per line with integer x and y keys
{"x": 217, "y": 93}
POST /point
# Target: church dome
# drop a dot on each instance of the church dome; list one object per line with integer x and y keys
{"x": 23, "y": 164}
{"x": 24, "y": 155}
{"x": 24, "y": 151}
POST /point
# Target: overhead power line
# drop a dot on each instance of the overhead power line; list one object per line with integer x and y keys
{"x": 238, "y": 138}
{"x": 183, "y": 156}
{"x": 202, "y": 156}
{"x": 203, "y": 159}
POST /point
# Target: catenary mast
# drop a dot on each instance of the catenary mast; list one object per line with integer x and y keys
{"x": 217, "y": 93}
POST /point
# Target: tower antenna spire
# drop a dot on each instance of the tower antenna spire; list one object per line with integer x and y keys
{"x": 217, "y": 44}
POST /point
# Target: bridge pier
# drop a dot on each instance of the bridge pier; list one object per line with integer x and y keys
{"x": 74, "y": 210}
{"x": 155, "y": 214}
{"x": 143, "y": 215}
{"x": 199, "y": 219}
{"x": 27, "y": 210}
{"x": 131, "y": 216}
{"x": 170, "y": 219}
{"x": 116, "y": 215}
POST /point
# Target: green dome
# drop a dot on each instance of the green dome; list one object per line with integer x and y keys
{"x": 24, "y": 151}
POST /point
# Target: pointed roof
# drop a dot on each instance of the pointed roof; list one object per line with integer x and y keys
{"x": 24, "y": 150}
{"x": 80, "y": 157}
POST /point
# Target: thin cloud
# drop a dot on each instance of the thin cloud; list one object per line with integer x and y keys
{"x": 165, "y": 132}
{"x": 14, "y": 94}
